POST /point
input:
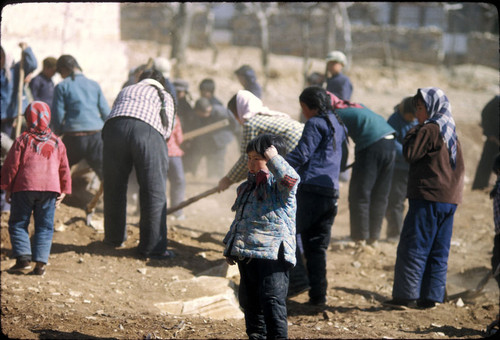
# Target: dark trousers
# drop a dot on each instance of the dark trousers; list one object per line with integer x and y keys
{"x": 88, "y": 148}
{"x": 495, "y": 258}
{"x": 128, "y": 143}
{"x": 423, "y": 249}
{"x": 394, "y": 213}
{"x": 485, "y": 165}
{"x": 262, "y": 295}
{"x": 315, "y": 216}
{"x": 369, "y": 189}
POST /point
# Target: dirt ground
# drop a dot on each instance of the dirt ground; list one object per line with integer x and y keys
{"x": 90, "y": 291}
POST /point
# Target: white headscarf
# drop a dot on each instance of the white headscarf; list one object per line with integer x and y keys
{"x": 248, "y": 105}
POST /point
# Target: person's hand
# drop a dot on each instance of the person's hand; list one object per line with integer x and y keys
{"x": 270, "y": 152}
{"x": 7, "y": 197}
{"x": 224, "y": 183}
{"x": 28, "y": 78}
{"x": 230, "y": 261}
{"x": 59, "y": 199}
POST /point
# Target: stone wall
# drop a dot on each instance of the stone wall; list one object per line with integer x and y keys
{"x": 424, "y": 45}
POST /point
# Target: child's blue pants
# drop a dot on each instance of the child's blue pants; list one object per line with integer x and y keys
{"x": 42, "y": 204}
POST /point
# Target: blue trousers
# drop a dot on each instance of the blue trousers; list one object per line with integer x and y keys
{"x": 42, "y": 204}
{"x": 369, "y": 189}
{"x": 262, "y": 295}
{"x": 128, "y": 143}
{"x": 423, "y": 249}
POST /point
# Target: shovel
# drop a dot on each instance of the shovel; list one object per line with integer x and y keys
{"x": 20, "y": 95}
{"x": 192, "y": 200}
{"x": 470, "y": 294}
{"x": 92, "y": 204}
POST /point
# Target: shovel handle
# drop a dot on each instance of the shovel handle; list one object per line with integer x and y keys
{"x": 192, "y": 200}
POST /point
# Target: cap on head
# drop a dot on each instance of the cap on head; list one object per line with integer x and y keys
{"x": 337, "y": 56}
{"x": 163, "y": 65}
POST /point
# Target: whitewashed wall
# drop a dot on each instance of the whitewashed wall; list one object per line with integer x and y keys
{"x": 88, "y": 31}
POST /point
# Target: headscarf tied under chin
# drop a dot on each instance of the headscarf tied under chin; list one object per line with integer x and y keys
{"x": 248, "y": 105}
{"x": 38, "y": 134}
{"x": 439, "y": 110}
{"x": 256, "y": 183}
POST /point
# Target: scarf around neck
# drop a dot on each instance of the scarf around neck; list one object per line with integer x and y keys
{"x": 38, "y": 134}
{"x": 256, "y": 183}
{"x": 439, "y": 110}
{"x": 338, "y": 103}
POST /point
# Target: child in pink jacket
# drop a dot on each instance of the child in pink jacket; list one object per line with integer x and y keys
{"x": 36, "y": 177}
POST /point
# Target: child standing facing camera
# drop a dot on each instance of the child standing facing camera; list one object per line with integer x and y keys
{"x": 36, "y": 177}
{"x": 261, "y": 239}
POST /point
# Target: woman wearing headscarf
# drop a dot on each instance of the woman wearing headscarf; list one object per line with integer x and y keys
{"x": 435, "y": 186}
{"x": 36, "y": 177}
{"x": 257, "y": 119}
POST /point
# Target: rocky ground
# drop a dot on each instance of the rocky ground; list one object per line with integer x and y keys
{"x": 90, "y": 291}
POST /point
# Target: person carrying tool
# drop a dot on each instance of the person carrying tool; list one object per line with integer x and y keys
{"x": 211, "y": 146}
{"x": 135, "y": 135}
{"x": 261, "y": 239}
{"x": 435, "y": 188}
{"x": 36, "y": 177}
{"x": 257, "y": 119}
{"x": 9, "y": 81}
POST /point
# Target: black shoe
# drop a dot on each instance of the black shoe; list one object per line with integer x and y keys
{"x": 113, "y": 244}
{"x": 39, "y": 270}
{"x": 167, "y": 254}
{"x": 319, "y": 302}
{"x": 426, "y": 304}
{"x": 400, "y": 304}
{"x": 294, "y": 291}
{"x": 20, "y": 267}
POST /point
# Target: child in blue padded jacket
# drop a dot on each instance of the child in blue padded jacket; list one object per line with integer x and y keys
{"x": 261, "y": 239}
